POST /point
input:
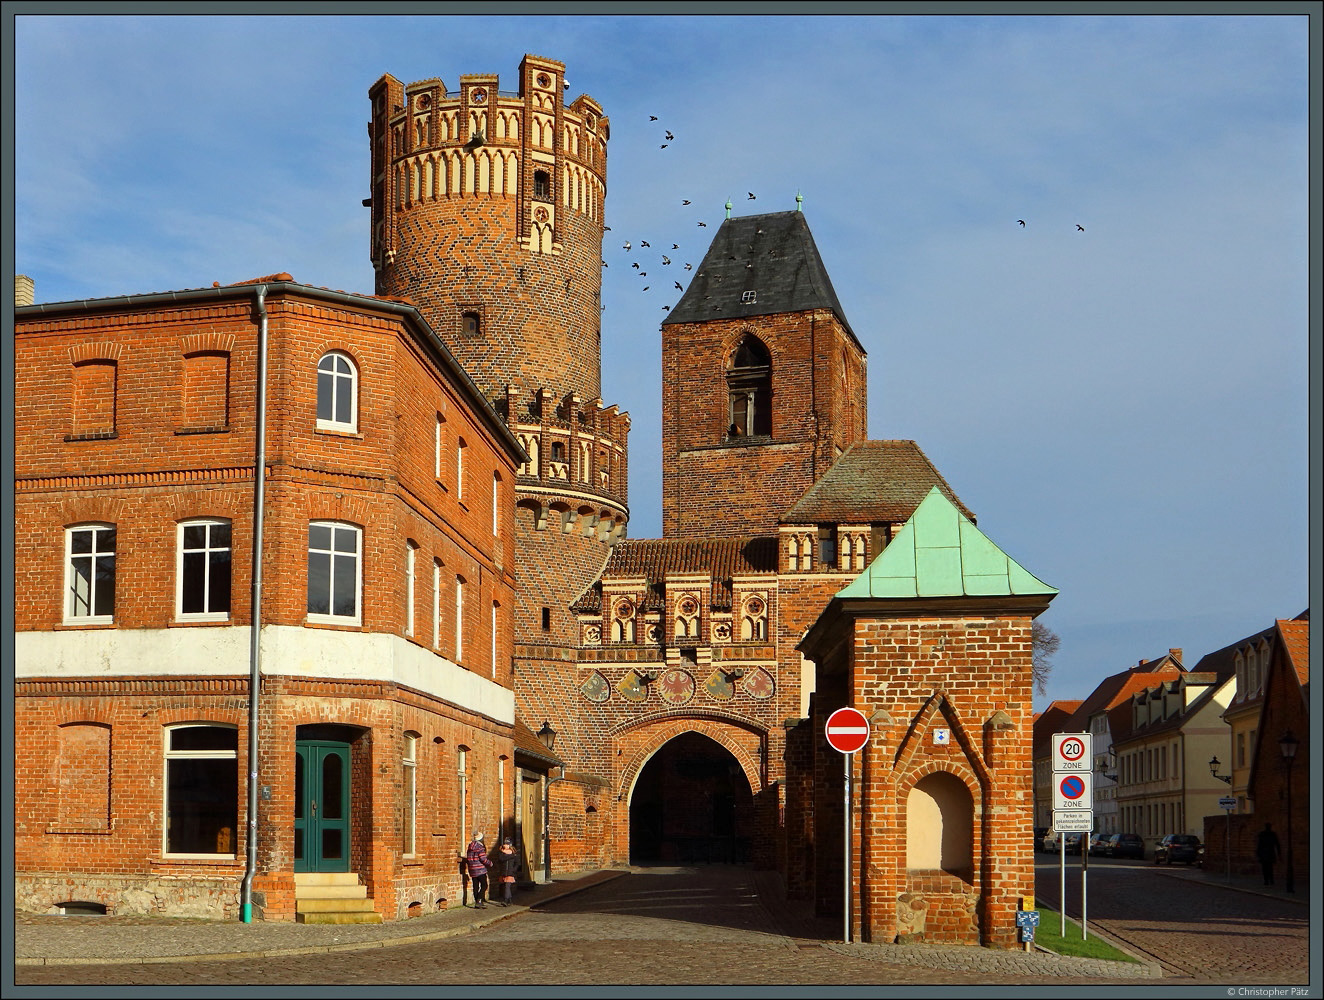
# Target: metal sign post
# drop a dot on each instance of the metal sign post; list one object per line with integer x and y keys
{"x": 1073, "y": 811}
{"x": 847, "y": 731}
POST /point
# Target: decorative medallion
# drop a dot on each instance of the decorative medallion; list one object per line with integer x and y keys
{"x": 653, "y": 632}
{"x": 758, "y": 684}
{"x": 596, "y": 688}
{"x": 425, "y": 101}
{"x": 592, "y": 635}
{"x": 676, "y": 686}
{"x": 754, "y": 605}
{"x": 540, "y": 214}
{"x": 631, "y": 688}
{"x": 478, "y": 95}
{"x": 544, "y": 80}
{"x": 718, "y": 686}
{"x": 688, "y": 605}
{"x": 722, "y": 631}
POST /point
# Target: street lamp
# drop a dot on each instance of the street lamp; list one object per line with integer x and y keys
{"x": 1287, "y": 743}
{"x": 547, "y": 737}
{"x": 1213, "y": 769}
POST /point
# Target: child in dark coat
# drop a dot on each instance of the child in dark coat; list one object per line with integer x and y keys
{"x": 506, "y": 863}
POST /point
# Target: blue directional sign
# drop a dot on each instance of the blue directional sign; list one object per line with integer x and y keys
{"x": 1027, "y": 921}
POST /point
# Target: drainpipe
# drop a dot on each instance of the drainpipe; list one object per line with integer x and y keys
{"x": 547, "y": 825}
{"x": 255, "y": 611}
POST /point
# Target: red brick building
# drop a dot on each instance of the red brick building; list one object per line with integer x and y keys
{"x": 383, "y": 610}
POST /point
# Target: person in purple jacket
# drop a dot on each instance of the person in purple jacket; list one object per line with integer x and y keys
{"x": 475, "y": 858}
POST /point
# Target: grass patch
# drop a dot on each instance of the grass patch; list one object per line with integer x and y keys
{"x": 1048, "y": 935}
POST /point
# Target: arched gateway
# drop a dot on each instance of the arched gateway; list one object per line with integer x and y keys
{"x": 691, "y": 803}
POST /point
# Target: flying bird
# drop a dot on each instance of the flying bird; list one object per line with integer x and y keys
{"x": 643, "y": 274}
{"x": 666, "y": 308}
{"x": 644, "y": 243}
{"x": 666, "y": 259}
{"x": 685, "y": 201}
{"x": 652, "y": 118}
{"x": 645, "y": 288}
{"x": 751, "y": 195}
{"x": 675, "y": 246}
{"x": 678, "y": 288}
{"x": 604, "y": 263}
{"x": 704, "y": 225}
{"x": 607, "y": 228}
{"x": 689, "y": 267}
{"x": 1080, "y": 227}
{"x": 635, "y": 265}
{"x": 1022, "y": 222}
{"x": 627, "y": 245}
{"x": 663, "y": 146}
{"x": 670, "y": 137}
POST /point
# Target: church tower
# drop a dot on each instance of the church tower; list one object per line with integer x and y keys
{"x": 487, "y": 213}
{"x": 763, "y": 381}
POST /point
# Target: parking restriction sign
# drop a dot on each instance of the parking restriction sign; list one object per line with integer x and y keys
{"x": 1073, "y": 792}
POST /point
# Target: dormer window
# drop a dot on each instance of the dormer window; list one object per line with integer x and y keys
{"x": 749, "y": 297}
{"x": 749, "y": 390}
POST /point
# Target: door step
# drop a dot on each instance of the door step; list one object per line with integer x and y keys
{"x": 332, "y": 898}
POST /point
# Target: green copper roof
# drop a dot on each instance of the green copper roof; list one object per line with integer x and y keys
{"x": 940, "y": 553}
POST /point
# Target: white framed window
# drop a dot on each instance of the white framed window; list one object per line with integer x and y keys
{"x": 411, "y": 551}
{"x": 436, "y": 603}
{"x": 201, "y": 790}
{"x": 335, "y": 572}
{"x": 409, "y": 762}
{"x": 438, "y": 443}
{"x": 202, "y": 570}
{"x": 459, "y": 619}
{"x": 89, "y": 574}
{"x": 495, "y": 606}
{"x": 337, "y": 393}
{"x": 496, "y": 503}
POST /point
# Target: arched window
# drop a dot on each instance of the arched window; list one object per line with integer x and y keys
{"x": 749, "y": 390}
{"x": 337, "y": 393}
{"x": 542, "y": 185}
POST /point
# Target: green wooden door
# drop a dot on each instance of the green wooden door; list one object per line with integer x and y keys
{"x": 321, "y": 806}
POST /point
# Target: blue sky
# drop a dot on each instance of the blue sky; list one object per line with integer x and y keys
{"x": 1124, "y": 408}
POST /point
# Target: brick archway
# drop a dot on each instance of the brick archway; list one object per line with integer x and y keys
{"x": 647, "y": 739}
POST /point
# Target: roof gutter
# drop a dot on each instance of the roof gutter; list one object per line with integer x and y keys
{"x": 255, "y": 611}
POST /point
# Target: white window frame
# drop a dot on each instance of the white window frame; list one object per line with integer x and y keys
{"x": 459, "y": 619}
{"x": 324, "y": 618}
{"x": 71, "y": 601}
{"x": 495, "y": 606}
{"x": 460, "y": 448}
{"x": 439, "y": 441}
{"x": 436, "y": 603}
{"x": 208, "y": 548}
{"x": 168, "y": 755}
{"x": 496, "y": 504}
{"x": 341, "y": 381}
{"x": 411, "y": 551}
{"x": 409, "y": 763}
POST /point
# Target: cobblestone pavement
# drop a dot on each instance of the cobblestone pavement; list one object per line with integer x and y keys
{"x": 685, "y": 927}
{"x": 1198, "y": 928}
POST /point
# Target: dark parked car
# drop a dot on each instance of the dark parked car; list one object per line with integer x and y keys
{"x": 1183, "y": 847}
{"x": 1053, "y": 842}
{"x": 1126, "y": 845}
{"x": 1098, "y": 844}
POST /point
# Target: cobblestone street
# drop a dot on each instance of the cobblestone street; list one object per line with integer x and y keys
{"x": 1197, "y": 929}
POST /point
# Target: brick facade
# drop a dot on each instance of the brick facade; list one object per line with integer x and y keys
{"x": 180, "y": 451}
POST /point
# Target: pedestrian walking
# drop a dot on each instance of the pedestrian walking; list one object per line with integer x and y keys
{"x": 476, "y": 860}
{"x": 1267, "y": 851}
{"x": 506, "y": 862}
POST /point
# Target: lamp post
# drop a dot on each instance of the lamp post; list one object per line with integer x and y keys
{"x": 1227, "y": 837}
{"x": 547, "y": 736}
{"x": 1288, "y": 743}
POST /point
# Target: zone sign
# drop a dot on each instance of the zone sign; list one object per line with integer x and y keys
{"x": 1073, "y": 752}
{"x": 1073, "y": 792}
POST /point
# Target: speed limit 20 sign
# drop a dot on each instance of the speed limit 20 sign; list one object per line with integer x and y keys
{"x": 1073, "y": 753}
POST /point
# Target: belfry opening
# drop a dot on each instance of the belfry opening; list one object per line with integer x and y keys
{"x": 691, "y": 804}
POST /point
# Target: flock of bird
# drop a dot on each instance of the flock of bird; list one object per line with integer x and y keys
{"x": 633, "y": 248}
{"x": 1021, "y": 223}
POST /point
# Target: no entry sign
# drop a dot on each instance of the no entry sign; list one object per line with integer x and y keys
{"x": 847, "y": 730}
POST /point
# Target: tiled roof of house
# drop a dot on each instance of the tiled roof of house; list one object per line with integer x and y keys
{"x": 872, "y": 481}
{"x": 1296, "y": 640}
{"x": 1117, "y": 689}
{"x": 774, "y": 257}
{"x": 655, "y": 558}
{"x": 1048, "y": 722}
{"x": 1179, "y": 719}
{"x": 527, "y": 744}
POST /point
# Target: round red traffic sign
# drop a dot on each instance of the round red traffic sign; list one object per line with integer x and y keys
{"x": 847, "y": 730}
{"x": 1073, "y": 749}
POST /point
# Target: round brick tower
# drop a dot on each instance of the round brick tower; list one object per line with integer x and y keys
{"x": 487, "y": 213}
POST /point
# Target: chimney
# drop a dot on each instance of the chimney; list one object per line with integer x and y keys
{"x": 24, "y": 290}
{"x": 1175, "y": 653}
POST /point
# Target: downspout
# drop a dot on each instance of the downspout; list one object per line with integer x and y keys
{"x": 255, "y": 611}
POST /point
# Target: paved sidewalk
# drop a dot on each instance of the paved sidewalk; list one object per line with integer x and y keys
{"x": 42, "y": 939}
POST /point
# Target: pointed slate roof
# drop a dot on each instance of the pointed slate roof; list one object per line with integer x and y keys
{"x": 872, "y": 481}
{"x": 940, "y": 553}
{"x": 773, "y": 256}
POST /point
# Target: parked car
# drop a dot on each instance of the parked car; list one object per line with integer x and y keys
{"x": 1183, "y": 847}
{"x": 1126, "y": 845}
{"x": 1098, "y": 844}
{"x": 1053, "y": 842}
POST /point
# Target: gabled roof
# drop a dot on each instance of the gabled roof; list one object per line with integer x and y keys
{"x": 1175, "y": 722}
{"x": 871, "y": 482}
{"x": 1051, "y": 720}
{"x": 1296, "y": 641}
{"x": 773, "y": 256}
{"x": 940, "y": 553}
{"x": 655, "y": 558}
{"x": 1114, "y": 693}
